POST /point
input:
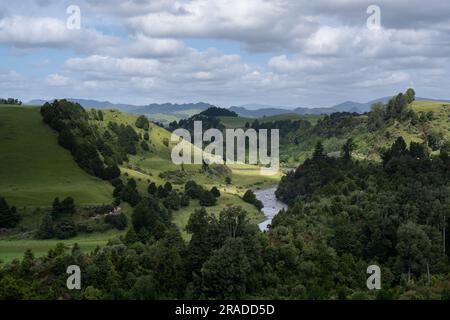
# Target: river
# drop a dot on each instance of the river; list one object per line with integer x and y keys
{"x": 271, "y": 205}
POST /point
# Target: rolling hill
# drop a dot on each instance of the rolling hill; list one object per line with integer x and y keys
{"x": 164, "y": 112}
{"x": 34, "y": 169}
{"x": 370, "y": 143}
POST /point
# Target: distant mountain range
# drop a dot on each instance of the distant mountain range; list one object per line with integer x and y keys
{"x": 252, "y": 111}
{"x": 167, "y": 112}
{"x": 164, "y": 112}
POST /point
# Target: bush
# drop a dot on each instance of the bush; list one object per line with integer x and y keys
{"x": 65, "y": 229}
{"x": 184, "y": 200}
{"x": 193, "y": 190}
{"x": 207, "y": 199}
{"x": 215, "y": 192}
{"x": 118, "y": 221}
{"x": 45, "y": 230}
{"x": 9, "y": 217}
{"x": 142, "y": 123}
{"x": 67, "y": 206}
{"x": 250, "y": 197}
{"x": 144, "y": 146}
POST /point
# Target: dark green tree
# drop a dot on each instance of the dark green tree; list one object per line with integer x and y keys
{"x": 319, "y": 152}
{"x": 9, "y": 217}
{"x": 347, "y": 149}
{"x": 152, "y": 188}
{"x": 215, "y": 192}
{"x": 207, "y": 199}
{"x": 225, "y": 274}
{"x": 142, "y": 123}
{"x": 45, "y": 230}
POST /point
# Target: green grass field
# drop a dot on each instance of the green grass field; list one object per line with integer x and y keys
{"x": 34, "y": 169}
{"x": 14, "y": 249}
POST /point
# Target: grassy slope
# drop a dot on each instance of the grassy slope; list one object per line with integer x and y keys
{"x": 34, "y": 169}
{"x": 369, "y": 144}
{"x": 147, "y": 166}
{"x": 51, "y": 171}
{"x": 11, "y": 249}
{"x": 166, "y": 118}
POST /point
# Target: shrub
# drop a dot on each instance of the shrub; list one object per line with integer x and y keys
{"x": 207, "y": 199}
{"x": 65, "y": 229}
{"x": 9, "y": 217}
{"x": 142, "y": 123}
{"x": 118, "y": 221}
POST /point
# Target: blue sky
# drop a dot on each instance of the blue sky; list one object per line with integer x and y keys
{"x": 234, "y": 52}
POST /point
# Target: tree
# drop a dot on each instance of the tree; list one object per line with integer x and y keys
{"x": 144, "y": 146}
{"x": 207, "y": 199}
{"x": 376, "y": 116}
{"x": 65, "y": 229}
{"x": 445, "y": 150}
{"x": 193, "y": 190}
{"x": 319, "y": 152}
{"x": 45, "y": 230}
{"x": 68, "y": 205}
{"x": 184, "y": 200}
{"x": 142, "y": 123}
{"x": 130, "y": 195}
{"x": 172, "y": 201}
{"x": 397, "y": 149}
{"x": 397, "y": 107}
{"x": 215, "y": 192}
{"x": 145, "y": 288}
{"x": 162, "y": 192}
{"x": 250, "y": 197}
{"x": 413, "y": 247}
{"x": 9, "y": 217}
{"x": 149, "y": 214}
{"x": 118, "y": 221}
{"x": 132, "y": 183}
{"x": 168, "y": 187}
{"x": 418, "y": 150}
{"x": 410, "y": 95}
{"x": 434, "y": 139}
{"x": 146, "y": 136}
{"x": 225, "y": 274}
{"x": 111, "y": 172}
{"x": 347, "y": 149}
{"x": 152, "y": 188}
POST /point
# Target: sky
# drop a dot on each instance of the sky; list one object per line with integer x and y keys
{"x": 294, "y": 53}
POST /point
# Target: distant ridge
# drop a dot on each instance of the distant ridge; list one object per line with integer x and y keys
{"x": 178, "y": 111}
{"x": 250, "y": 111}
{"x": 185, "y": 110}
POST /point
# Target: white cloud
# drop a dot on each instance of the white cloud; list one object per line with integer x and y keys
{"x": 46, "y": 32}
{"x": 57, "y": 80}
{"x": 310, "y": 48}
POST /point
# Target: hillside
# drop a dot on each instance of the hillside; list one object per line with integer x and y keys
{"x": 156, "y": 165}
{"x": 160, "y": 112}
{"x": 335, "y": 129}
{"x": 34, "y": 169}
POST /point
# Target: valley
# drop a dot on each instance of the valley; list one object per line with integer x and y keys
{"x": 99, "y": 187}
